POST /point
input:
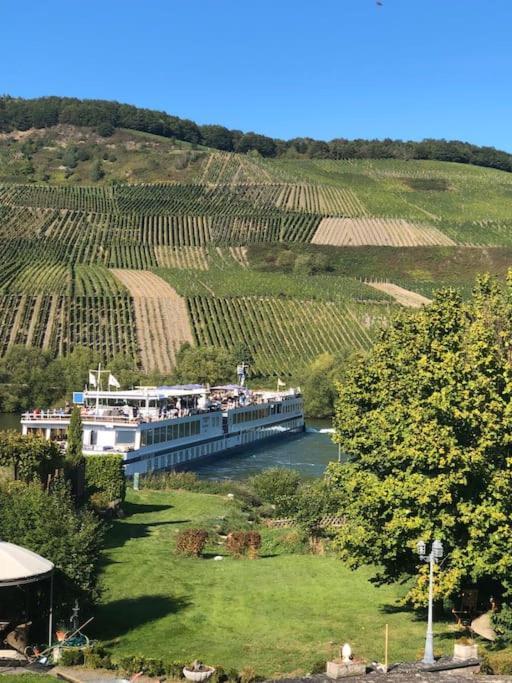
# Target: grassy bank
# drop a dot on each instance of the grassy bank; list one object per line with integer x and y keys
{"x": 279, "y": 614}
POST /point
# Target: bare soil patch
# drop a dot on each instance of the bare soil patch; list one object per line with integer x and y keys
{"x": 393, "y": 232}
{"x": 161, "y": 318}
{"x": 402, "y": 296}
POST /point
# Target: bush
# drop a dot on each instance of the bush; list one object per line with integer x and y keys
{"x": 71, "y": 656}
{"x": 191, "y": 542}
{"x": 253, "y": 543}
{"x": 236, "y": 543}
{"x": 48, "y": 523}
{"x": 497, "y": 663}
{"x": 105, "y": 474}
{"x": 170, "y": 480}
{"x": 277, "y": 486}
{"x": 502, "y": 623}
{"x": 174, "y": 669}
{"x": 284, "y": 541}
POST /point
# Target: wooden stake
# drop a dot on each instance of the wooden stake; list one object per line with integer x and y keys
{"x": 386, "y": 642}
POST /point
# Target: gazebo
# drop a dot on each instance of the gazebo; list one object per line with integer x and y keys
{"x": 19, "y": 566}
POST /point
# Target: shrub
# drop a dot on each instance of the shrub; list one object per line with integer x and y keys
{"x": 253, "y": 543}
{"x": 171, "y": 480}
{"x": 497, "y": 663}
{"x": 71, "y": 656}
{"x": 29, "y": 457}
{"x": 248, "y": 675}
{"x": 191, "y": 542}
{"x": 284, "y": 541}
{"x": 105, "y": 474}
{"x": 132, "y": 664}
{"x": 236, "y": 543}
{"x": 174, "y": 669}
{"x": 219, "y": 675}
{"x": 277, "y": 486}
{"x": 48, "y": 523}
{"x": 502, "y": 623}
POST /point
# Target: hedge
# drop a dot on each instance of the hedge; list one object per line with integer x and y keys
{"x": 105, "y": 474}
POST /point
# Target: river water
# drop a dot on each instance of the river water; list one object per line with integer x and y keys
{"x": 309, "y": 453}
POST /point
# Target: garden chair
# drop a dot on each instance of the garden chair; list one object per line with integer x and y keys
{"x": 468, "y": 607}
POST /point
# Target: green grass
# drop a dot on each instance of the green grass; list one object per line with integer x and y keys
{"x": 278, "y": 614}
{"x": 27, "y": 678}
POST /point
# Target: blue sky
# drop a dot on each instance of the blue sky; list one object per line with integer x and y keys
{"x": 326, "y": 68}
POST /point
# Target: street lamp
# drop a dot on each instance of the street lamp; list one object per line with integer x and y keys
{"x": 434, "y": 556}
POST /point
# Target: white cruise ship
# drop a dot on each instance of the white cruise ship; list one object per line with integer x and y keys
{"x": 172, "y": 427}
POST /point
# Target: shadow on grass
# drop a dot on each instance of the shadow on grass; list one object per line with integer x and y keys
{"x": 118, "y": 617}
{"x": 143, "y": 508}
{"x": 120, "y": 533}
{"x": 123, "y": 530}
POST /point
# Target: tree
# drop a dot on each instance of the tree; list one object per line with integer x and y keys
{"x": 425, "y": 420}
{"x": 97, "y": 172}
{"x": 48, "y": 523}
{"x": 319, "y": 385}
{"x": 74, "y": 454}
{"x": 204, "y": 365}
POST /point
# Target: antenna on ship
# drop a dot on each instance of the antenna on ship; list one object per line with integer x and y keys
{"x": 241, "y": 371}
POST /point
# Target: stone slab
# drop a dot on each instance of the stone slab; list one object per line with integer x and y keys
{"x": 338, "y": 669}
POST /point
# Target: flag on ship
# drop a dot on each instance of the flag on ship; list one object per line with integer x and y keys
{"x": 112, "y": 381}
{"x": 280, "y": 383}
{"x": 92, "y": 379}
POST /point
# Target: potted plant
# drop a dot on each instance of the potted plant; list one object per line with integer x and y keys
{"x": 198, "y": 671}
{"x": 61, "y": 632}
{"x": 465, "y": 648}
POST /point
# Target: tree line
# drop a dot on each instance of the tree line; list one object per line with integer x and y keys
{"x": 105, "y": 116}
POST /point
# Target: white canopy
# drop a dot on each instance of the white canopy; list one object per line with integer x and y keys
{"x": 19, "y": 565}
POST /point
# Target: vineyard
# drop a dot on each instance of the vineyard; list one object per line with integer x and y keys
{"x": 283, "y": 334}
{"x": 139, "y": 268}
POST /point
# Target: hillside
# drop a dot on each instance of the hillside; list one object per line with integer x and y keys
{"x": 230, "y": 247}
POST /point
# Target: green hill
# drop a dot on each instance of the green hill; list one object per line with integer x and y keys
{"x": 135, "y": 243}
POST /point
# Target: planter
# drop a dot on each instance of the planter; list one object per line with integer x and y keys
{"x": 202, "y": 675}
{"x": 462, "y": 652}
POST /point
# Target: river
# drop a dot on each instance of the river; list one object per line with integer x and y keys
{"x": 308, "y": 453}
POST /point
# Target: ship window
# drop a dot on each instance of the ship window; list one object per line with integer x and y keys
{"x": 187, "y": 428}
{"x": 181, "y": 432}
{"x": 125, "y": 436}
{"x": 169, "y": 432}
{"x": 149, "y": 437}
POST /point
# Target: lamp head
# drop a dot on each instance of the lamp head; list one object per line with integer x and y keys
{"x": 437, "y": 549}
{"x": 421, "y": 548}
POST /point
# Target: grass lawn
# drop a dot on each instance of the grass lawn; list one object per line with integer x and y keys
{"x": 278, "y": 614}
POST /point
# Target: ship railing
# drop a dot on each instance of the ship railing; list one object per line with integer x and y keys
{"x": 56, "y": 415}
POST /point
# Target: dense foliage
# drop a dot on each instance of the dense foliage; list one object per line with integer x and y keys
{"x": 48, "y": 523}
{"x": 105, "y": 116}
{"x": 104, "y": 474}
{"x": 425, "y": 420}
{"x": 277, "y": 486}
{"x": 204, "y": 365}
{"x": 28, "y": 457}
{"x": 30, "y": 378}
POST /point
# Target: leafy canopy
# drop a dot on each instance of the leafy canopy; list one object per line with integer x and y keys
{"x": 426, "y": 421}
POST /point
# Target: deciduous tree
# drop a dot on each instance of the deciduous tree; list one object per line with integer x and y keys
{"x": 426, "y": 422}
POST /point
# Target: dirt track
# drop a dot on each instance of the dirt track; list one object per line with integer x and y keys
{"x": 402, "y": 296}
{"x": 161, "y": 318}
